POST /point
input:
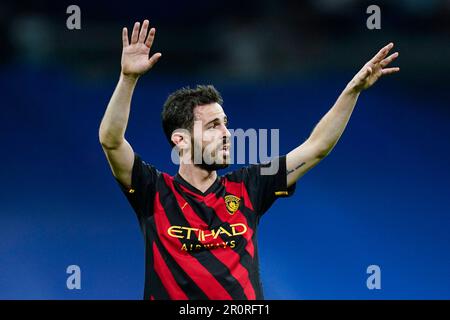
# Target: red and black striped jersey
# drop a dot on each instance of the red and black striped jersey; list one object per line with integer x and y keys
{"x": 203, "y": 245}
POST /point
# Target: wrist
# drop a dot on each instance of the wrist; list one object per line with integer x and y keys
{"x": 352, "y": 89}
{"x": 129, "y": 78}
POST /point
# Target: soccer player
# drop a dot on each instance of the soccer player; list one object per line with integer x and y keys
{"x": 200, "y": 228}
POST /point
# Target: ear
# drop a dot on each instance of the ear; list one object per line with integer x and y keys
{"x": 181, "y": 138}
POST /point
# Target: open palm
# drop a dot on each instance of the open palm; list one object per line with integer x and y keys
{"x": 375, "y": 68}
{"x": 135, "y": 54}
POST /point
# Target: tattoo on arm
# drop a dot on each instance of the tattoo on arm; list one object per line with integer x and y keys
{"x": 290, "y": 171}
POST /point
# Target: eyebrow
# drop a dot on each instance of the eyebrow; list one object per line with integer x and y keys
{"x": 217, "y": 119}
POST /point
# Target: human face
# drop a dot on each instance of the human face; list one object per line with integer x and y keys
{"x": 214, "y": 140}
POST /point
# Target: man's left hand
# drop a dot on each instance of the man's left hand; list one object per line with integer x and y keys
{"x": 374, "y": 69}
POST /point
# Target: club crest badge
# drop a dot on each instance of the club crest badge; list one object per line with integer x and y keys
{"x": 232, "y": 203}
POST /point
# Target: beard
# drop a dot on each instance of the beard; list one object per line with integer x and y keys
{"x": 212, "y": 167}
{"x": 212, "y": 164}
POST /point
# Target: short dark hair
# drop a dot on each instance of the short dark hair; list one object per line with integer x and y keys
{"x": 178, "y": 110}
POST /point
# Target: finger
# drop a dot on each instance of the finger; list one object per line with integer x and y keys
{"x": 125, "y": 42}
{"x": 382, "y": 53}
{"x": 143, "y": 32}
{"x": 154, "y": 58}
{"x": 390, "y": 70}
{"x": 151, "y": 36}
{"x": 389, "y": 59}
{"x": 134, "y": 35}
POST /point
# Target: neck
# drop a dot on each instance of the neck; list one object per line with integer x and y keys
{"x": 198, "y": 177}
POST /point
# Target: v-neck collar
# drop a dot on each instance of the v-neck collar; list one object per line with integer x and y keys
{"x": 178, "y": 178}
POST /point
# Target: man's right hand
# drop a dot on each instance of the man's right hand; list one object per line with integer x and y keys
{"x": 135, "y": 61}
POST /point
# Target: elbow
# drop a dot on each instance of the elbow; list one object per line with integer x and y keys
{"x": 110, "y": 145}
{"x": 322, "y": 154}
{"x": 107, "y": 145}
{"x": 321, "y": 150}
{"x": 109, "y": 141}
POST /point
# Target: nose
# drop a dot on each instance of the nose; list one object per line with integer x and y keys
{"x": 226, "y": 133}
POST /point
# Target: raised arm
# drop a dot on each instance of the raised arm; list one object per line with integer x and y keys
{"x": 135, "y": 62}
{"x": 330, "y": 128}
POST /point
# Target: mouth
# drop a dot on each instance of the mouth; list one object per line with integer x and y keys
{"x": 226, "y": 148}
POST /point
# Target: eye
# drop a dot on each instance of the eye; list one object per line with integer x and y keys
{"x": 217, "y": 124}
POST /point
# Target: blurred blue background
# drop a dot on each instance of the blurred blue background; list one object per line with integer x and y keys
{"x": 382, "y": 197}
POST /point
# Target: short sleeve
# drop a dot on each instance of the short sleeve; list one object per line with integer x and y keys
{"x": 142, "y": 191}
{"x": 267, "y": 182}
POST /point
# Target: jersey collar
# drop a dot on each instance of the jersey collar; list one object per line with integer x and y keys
{"x": 213, "y": 187}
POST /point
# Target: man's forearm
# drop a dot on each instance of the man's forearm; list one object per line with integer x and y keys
{"x": 115, "y": 120}
{"x": 330, "y": 128}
